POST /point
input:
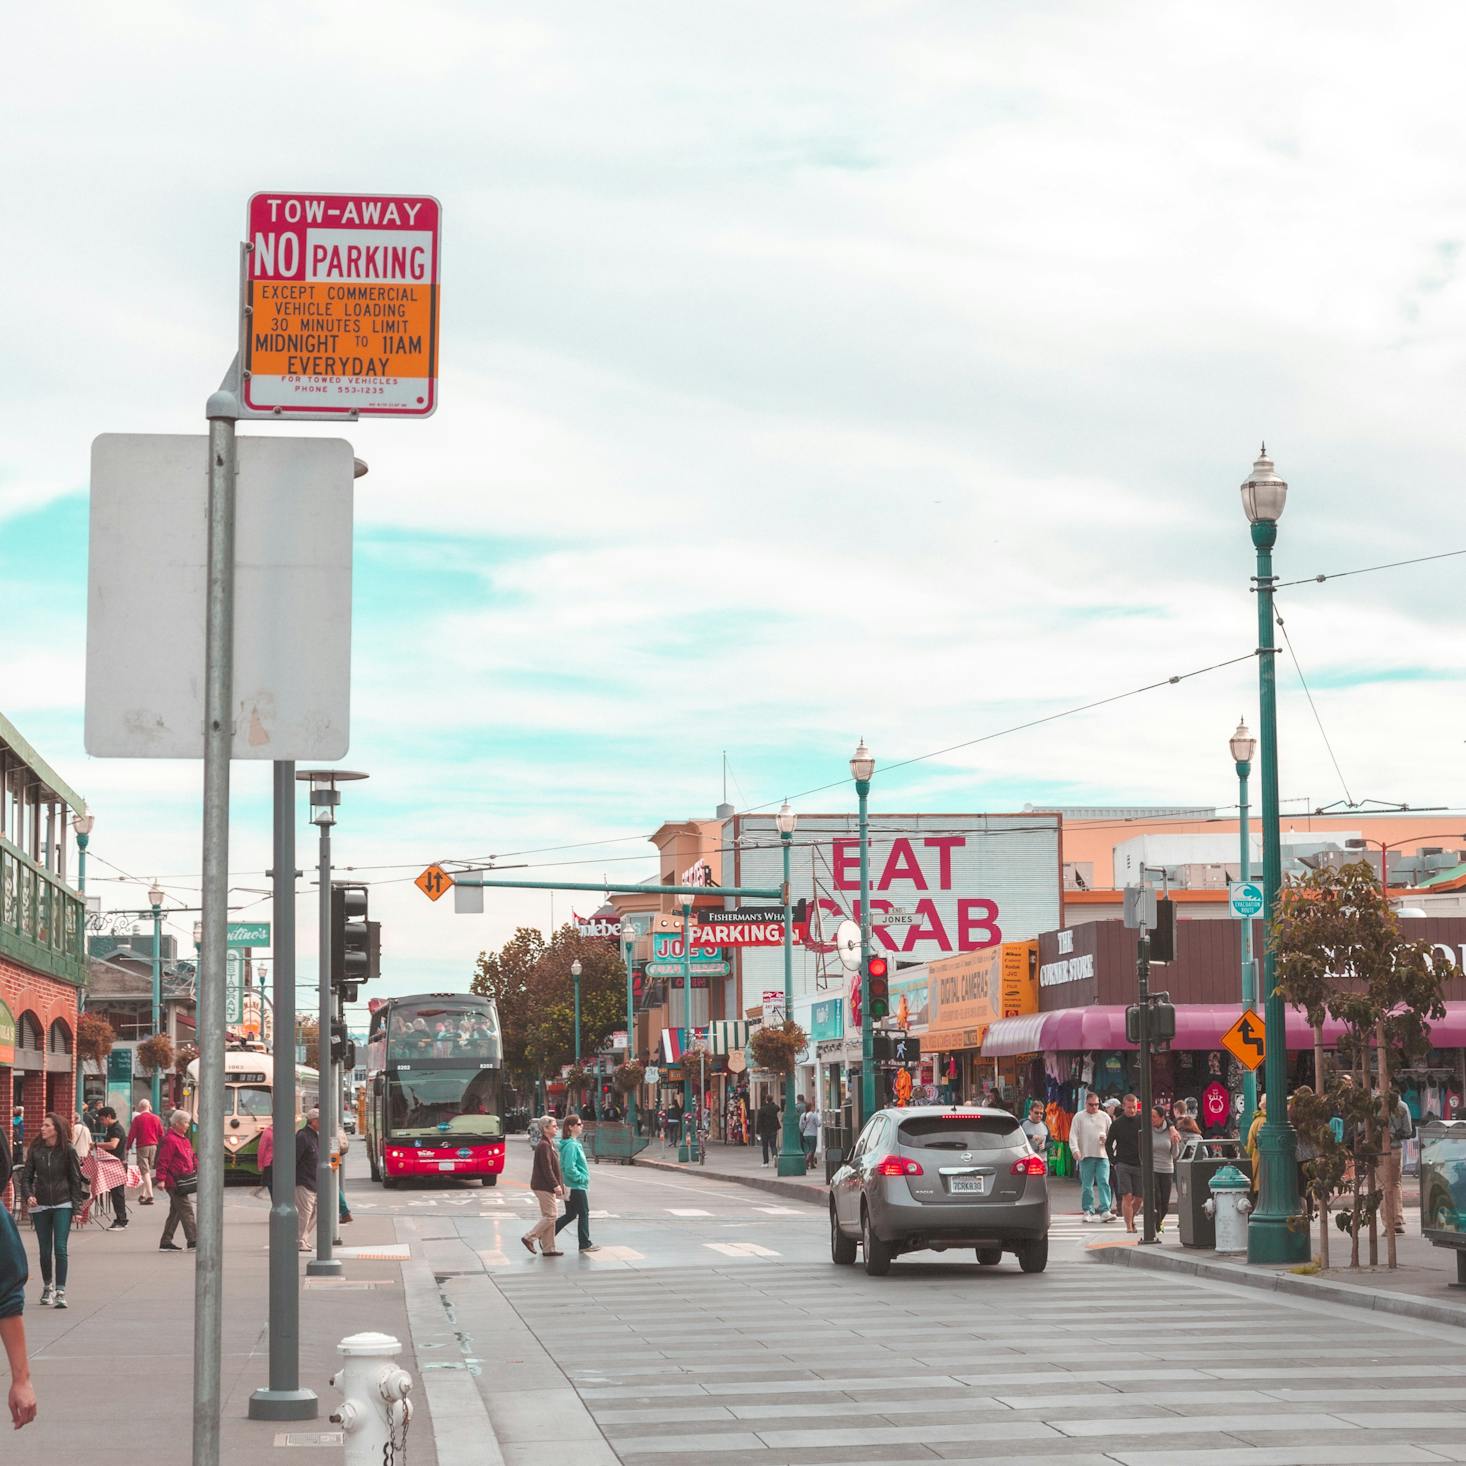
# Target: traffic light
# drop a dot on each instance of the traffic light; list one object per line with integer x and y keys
{"x": 1163, "y": 938}
{"x": 343, "y": 1051}
{"x": 356, "y": 943}
{"x": 880, "y": 990}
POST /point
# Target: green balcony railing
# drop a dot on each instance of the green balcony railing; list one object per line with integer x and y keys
{"x": 41, "y": 918}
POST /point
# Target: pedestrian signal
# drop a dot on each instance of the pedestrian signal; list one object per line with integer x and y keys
{"x": 876, "y": 969}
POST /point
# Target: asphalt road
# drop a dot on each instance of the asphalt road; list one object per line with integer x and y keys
{"x": 712, "y": 1326}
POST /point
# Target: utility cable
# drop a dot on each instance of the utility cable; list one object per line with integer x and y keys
{"x": 1307, "y": 692}
{"x": 1368, "y": 569}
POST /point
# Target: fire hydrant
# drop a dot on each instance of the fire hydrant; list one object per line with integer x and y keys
{"x": 374, "y": 1411}
{"x": 1229, "y": 1204}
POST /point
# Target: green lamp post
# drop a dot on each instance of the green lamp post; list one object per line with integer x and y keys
{"x": 82, "y": 825}
{"x": 628, "y": 948}
{"x": 862, "y": 768}
{"x": 1277, "y": 1232}
{"x": 791, "y": 1154}
{"x": 687, "y": 1144}
{"x": 1243, "y": 745}
{"x": 155, "y": 900}
{"x": 575, "y": 971}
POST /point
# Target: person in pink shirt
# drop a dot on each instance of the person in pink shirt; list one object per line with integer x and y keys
{"x": 178, "y": 1176}
{"x": 146, "y": 1133}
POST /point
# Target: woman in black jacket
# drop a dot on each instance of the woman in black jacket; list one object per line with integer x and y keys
{"x": 52, "y": 1186}
{"x": 766, "y": 1127}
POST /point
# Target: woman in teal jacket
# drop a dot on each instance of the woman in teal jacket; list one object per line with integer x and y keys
{"x": 577, "y": 1180}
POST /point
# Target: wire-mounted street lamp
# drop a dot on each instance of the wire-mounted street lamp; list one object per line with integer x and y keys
{"x": 862, "y": 770}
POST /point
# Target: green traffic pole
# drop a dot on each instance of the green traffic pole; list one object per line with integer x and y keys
{"x": 791, "y": 1154}
{"x": 1276, "y": 1232}
{"x": 575, "y": 979}
{"x": 687, "y": 1145}
{"x": 867, "y": 1034}
{"x": 1249, "y": 971}
{"x": 630, "y": 1033}
{"x": 157, "y": 1000}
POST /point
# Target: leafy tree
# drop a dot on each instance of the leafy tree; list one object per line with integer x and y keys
{"x": 1340, "y": 954}
{"x": 529, "y": 979}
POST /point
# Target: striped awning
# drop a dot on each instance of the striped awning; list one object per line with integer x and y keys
{"x": 730, "y": 1035}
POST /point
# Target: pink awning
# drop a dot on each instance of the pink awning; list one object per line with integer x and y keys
{"x": 1198, "y": 1026}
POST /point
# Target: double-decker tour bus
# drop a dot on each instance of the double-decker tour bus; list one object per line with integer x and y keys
{"x": 249, "y": 1097}
{"x": 434, "y": 1102}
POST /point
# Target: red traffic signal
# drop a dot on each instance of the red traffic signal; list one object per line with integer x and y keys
{"x": 876, "y": 969}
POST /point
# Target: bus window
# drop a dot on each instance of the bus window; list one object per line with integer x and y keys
{"x": 255, "y": 1103}
{"x": 464, "y": 1101}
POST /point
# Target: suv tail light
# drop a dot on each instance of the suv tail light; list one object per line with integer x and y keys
{"x": 895, "y": 1165}
{"x": 1030, "y": 1165}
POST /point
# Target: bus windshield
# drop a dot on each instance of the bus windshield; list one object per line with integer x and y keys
{"x": 427, "y": 1102}
{"x": 253, "y": 1102}
{"x": 443, "y": 1030}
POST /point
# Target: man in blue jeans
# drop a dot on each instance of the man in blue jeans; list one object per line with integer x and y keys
{"x": 1087, "y": 1136}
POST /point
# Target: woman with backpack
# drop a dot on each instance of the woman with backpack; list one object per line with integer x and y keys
{"x": 51, "y": 1185}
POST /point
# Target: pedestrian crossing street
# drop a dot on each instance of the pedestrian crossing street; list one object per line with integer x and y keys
{"x": 798, "y": 1363}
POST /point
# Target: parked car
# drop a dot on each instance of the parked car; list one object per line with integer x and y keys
{"x": 937, "y": 1178}
{"x": 1443, "y": 1180}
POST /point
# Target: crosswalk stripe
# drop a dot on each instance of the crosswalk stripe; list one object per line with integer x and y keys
{"x": 615, "y": 1254}
{"x": 688, "y": 1211}
{"x": 778, "y": 1211}
{"x": 741, "y": 1249}
{"x": 494, "y": 1259}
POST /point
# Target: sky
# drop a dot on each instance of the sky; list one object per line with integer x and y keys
{"x": 808, "y": 373}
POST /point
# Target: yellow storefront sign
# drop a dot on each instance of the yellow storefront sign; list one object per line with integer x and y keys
{"x": 973, "y": 989}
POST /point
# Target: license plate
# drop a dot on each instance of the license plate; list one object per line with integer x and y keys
{"x": 974, "y": 1184}
{"x": 446, "y": 1165}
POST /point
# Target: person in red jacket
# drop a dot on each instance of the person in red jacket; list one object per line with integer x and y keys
{"x": 266, "y": 1158}
{"x": 146, "y": 1133}
{"x": 177, "y": 1169}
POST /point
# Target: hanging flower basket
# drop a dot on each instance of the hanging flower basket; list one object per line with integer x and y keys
{"x": 777, "y": 1048}
{"x": 156, "y": 1054}
{"x": 628, "y": 1077}
{"x": 94, "y": 1038}
{"x": 184, "y": 1057}
{"x": 696, "y": 1060}
{"x": 577, "y": 1078}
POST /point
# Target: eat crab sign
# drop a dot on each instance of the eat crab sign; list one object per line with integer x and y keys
{"x": 342, "y": 304}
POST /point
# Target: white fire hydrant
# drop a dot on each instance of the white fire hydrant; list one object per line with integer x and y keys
{"x": 1230, "y": 1203}
{"x": 374, "y": 1411}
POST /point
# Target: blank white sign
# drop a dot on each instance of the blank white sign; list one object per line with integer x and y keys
{"x": 146, "y": 597}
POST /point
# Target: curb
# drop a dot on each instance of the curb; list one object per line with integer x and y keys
{"x": 1294, "y": 1284}
{"x": 797, "y": 1190}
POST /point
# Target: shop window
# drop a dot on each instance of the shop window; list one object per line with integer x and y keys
{"x": 29, "y": 1034}
{"x": 60, "y": 1038}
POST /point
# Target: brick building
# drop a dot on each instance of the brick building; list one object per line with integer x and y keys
{"x": 42, "y": 960}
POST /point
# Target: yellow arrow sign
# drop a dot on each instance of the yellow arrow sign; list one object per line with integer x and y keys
{"x": 434, "y": 882}
{"x": 1246, "y": 1040}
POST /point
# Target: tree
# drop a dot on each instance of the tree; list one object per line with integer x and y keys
{"x": 307, "y": 1033}
{"x": 1340, "y": 954}
{"x": 529, "y": 980}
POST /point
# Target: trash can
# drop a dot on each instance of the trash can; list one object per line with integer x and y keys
{"x": 1199, "y": 1161}
{"x": 837, "y": 1140}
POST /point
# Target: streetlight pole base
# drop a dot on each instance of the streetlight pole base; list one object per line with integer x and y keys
{"x": 284, "y": 1405}
{"x": 686, "y": 1152}
{"x": 1278, "y": 1239}
{"x": 791, "y": 1163}
{"x": 324, "y": 1267}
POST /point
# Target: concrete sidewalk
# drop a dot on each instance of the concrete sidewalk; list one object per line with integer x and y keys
{"x": 114, "y": 1372}
{"x": 1423, "y": 1286}
{"x": 741, "y": 1164}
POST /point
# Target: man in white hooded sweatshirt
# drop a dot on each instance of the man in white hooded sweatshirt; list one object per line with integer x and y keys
{"x": 1087, "y": 1136}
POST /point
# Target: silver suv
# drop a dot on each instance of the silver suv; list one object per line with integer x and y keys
{"x": 940, "y": 1177}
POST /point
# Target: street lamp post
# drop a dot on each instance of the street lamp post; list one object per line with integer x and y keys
{"x": 82, "y": 825}
{"x": 1243, "y": 745}
{"x": 325, "y": 797}
{"x": 155, "y": 900}
{"x": 1277, "y": 1232}
{"x": 628, "y": 940}
{"x": 687, "y": 1145}
{"x": 575, "y": 971}
{"x": 791, "y": 1155}
{"x": 862, "y": 767}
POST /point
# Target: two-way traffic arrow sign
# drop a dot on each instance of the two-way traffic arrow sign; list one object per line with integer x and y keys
{"x": 1246, "y": 1040}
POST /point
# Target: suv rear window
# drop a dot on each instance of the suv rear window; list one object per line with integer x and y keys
{"x": 966, "y": 1132}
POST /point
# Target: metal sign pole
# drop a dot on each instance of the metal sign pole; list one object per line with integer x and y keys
{"x": 218, "y": 743}
{"x": 323, "y": 1265}
{"x": 284, "y": 1399}
{"x": 1147, "y": 1153}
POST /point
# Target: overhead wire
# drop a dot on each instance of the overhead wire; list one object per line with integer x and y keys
{"x": 1313, "y": 706}
{"x": 1368, "y": 569}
